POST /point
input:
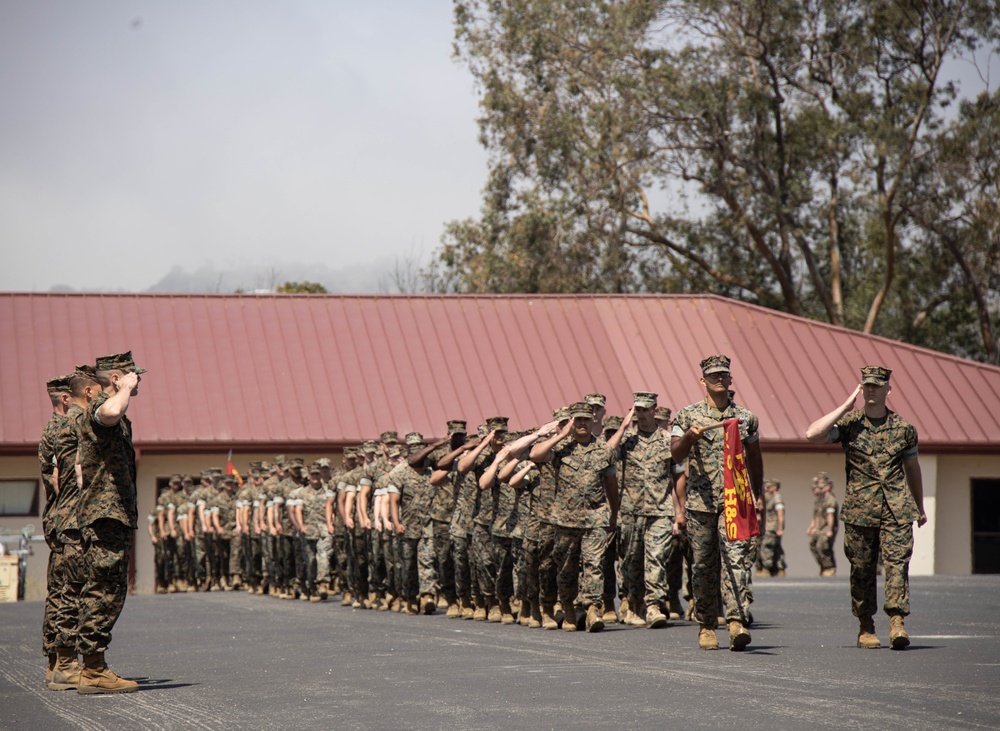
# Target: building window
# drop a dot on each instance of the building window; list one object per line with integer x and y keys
{"x": 19, "y": 498}
{"x": 986, "y": 526}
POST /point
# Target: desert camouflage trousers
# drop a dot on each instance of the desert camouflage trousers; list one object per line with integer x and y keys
{"x": 770, "y": 555}
{"x": 716, "y": 560}
{"x": 822, "y": 550}
{"x": 540, "y": 570}
{"x": 651, "y": 565}
{"x": 444, "y": 560}
{"x": 460, "y": 546}
{"x": 65, "y": 577}
{"x": 862, "y": 544}
{"x": 484, "y": 567}
{"x": 578, "y": 556}
{"x": 107, "y": 546}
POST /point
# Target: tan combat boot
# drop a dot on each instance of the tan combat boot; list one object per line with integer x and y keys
{"x": 610, "y": 616}
{"x": 50, "y": 665}
{"x": 524, "y": 614}
{"x": 595, "y": 622}
{"x": 674, "y": 605}
{"x": 548, "y": 618}
{"x": 480, "y": 613}
{"x": 66, "y": 671}
{"x": 624, "y": 612}
{"x": 506, "y": 613}
{"x": 655, "y": 618}
{"x": 468, "y": 610}
{"x": 707, "y": 639}
{"x": 428, "y": 605}
{"x": 569, "y": 618}
{"x": 493, "y": 613}
{"x": 347, "y": 600}
{"x": 535, "y": 616}
{"x": 412, "y": 608}
{"x": 898, "y": 639}
{"x": 97, "y": 678}
{"x": 323, "y": 591}
{"x": 827, "y": 573}
{"x": 637, "y": 616}
{"x": 867, "y": 639}
{"x": 442, "y": 602}
{"x": 739, "y": 638}
{"x": 454, "y": 611}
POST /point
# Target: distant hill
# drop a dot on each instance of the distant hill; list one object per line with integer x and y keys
{"x": 375, "y": 277}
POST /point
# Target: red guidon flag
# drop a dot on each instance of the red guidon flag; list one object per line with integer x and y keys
{"x": 231, "y": 470}
{"x": 741, "y": 513}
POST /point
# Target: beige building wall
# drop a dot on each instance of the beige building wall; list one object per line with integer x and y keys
{"x": 953, "y": 553}
{"x": 26, "y": 468}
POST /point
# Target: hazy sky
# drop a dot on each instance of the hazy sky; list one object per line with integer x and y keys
{"x": 153, "y": 134}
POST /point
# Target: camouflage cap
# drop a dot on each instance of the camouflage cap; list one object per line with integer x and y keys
{"x": 265, "y": 466}
{"x": 323, "y": 462}
{"x": 229, "y": 478}
{"x": 86, "y": 371}
{"x": 314, "y": 468}
{"x": 644, "y": 399}
{"x": 215, "y": 471}
{"x": 457, "y": 426}
{"x": 369, "y": 446}
{"x": 296, "y": 462}
{"x": 662, "y": 413}
{"x": 561, "y": 414}
{"x": 581, "y": 409}
{"x": 396, "y": 451}
{"x": 390, "y": 437}
{"x": 206, "y": 474}
{"x": 715, "y": 364}
{"x": 875, "y": 375}
{"x": 481, "y": 430}
{"x": 118, "y": 362}
{"x": 58, "y": 385}
{"x": 612, "y": 423}
{"x": 595, "y": 399}
{"x": 175, "y": 479}
{"x": 497, "y": 423}
{"x": 414, "y": 437}
{"x": 256, "y": 465}
{"x": 350, "y": 452}
{"x": 280, "y": 460}
{"x": 188, "y": 478}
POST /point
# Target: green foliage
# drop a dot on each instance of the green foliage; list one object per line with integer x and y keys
{"x": 301, "y": 288}
{"x": 770, "y": 151}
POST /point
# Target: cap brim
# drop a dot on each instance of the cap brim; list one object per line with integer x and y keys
{"x": 137, "y": 370}
{"x": 710, "y": 371}
{"x": 873, "y": 382}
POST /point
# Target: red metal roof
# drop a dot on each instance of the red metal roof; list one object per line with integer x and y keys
{"x": 318, "y": 371}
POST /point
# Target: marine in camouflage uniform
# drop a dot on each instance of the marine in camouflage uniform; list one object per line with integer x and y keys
{"x": 541, "y": 534}
{"x": 411, "y": 495}
{"x": 504, "y": 528}
{"x": 484, "y": 562}
{"x": 585, "y": 513}
{"x": 648, "y": 481}
{"x": 166, "y": 521}
{"x": 315, "y": 497}
{"x": 186, "y": 535}
{"x": 358, "y": 483}
{"x": 460, "y": 529}
{"x": 56, "y": 388}
{"x": 341, "y": 539}
{"x": 159, "y": 563}
{"x": 202, "y": 530}
{"x": 66, "y": 570}
{"x": 715, "y": 558}
{"x": 884, "y": 497}
{"x": 823, "y": 527}
{"x": 598, "y": 401}
{"x": 771, "y": 557}
{"x": 442, "y": 511}
{"x": 107, "y": 516}
{"x": 223, "y": 508}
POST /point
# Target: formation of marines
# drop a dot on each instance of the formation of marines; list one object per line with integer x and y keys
{"x": 545, "y": 528}
{"x": 583, "y": 521}
{"x": 88, "y": 470}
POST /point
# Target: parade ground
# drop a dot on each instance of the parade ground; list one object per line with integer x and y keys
{"x": 235, "y": 661}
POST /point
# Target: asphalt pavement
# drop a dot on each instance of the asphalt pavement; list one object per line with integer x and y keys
{"x": 231, "y": 660}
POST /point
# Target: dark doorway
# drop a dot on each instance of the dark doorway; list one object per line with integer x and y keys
{"x": 986, "y": 526}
